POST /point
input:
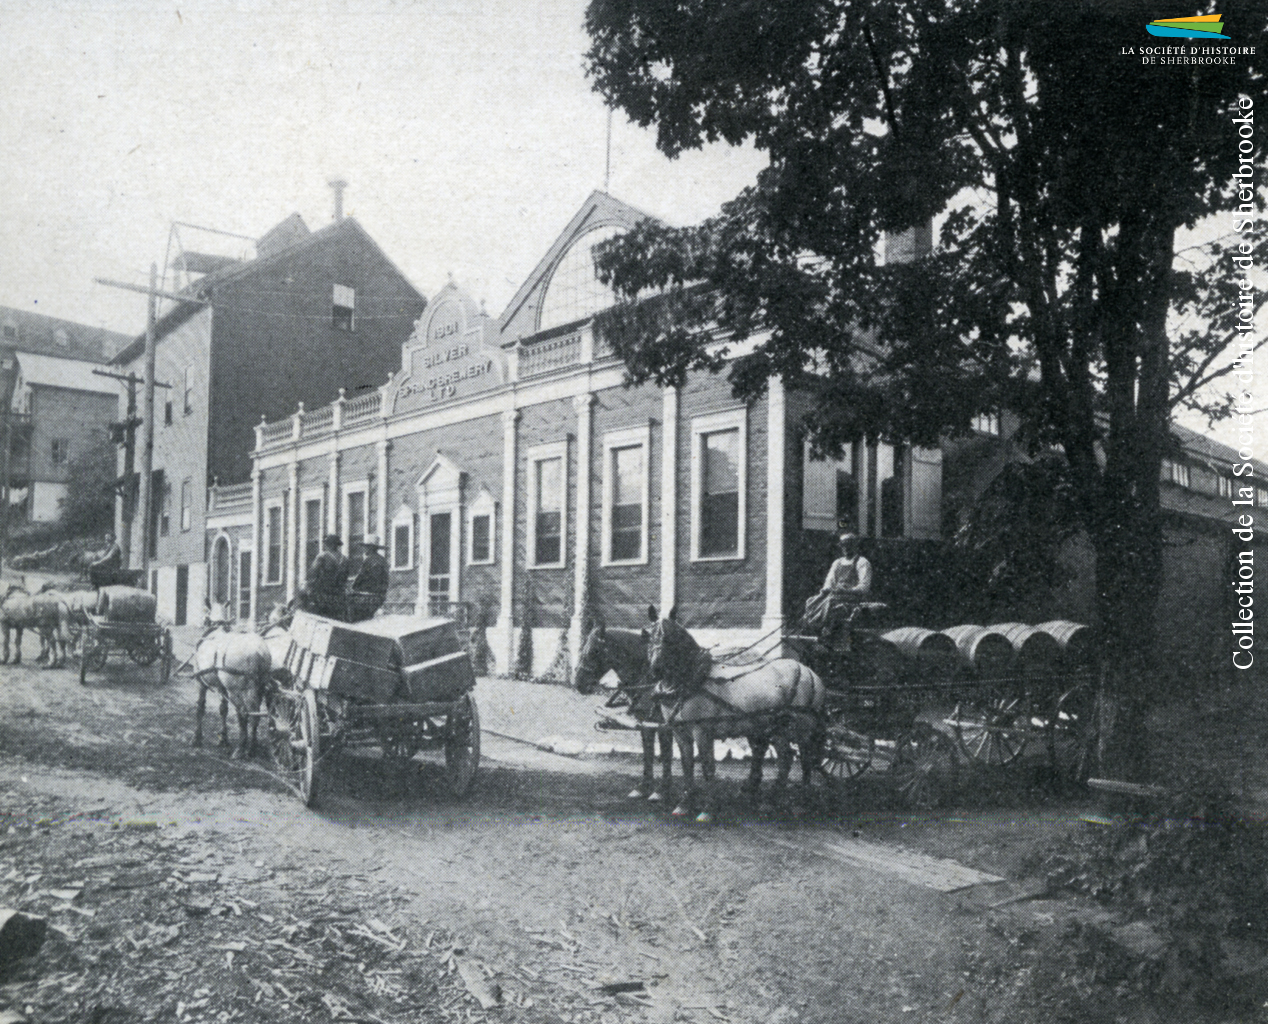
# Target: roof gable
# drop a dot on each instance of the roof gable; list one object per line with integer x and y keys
{"x": 520, "y": 317}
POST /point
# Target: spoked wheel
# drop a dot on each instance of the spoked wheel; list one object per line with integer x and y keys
{"x": 923, "y": 755}
{"x": 846, "y": 754}
{"x": 146, "y": 652}
{"x": 1071, "y": 734}
{"x": 462, "y": 745}
{"x": 93, "y": 658}
{"x": 295, "y": 741}
{"x": 995, "y": 731}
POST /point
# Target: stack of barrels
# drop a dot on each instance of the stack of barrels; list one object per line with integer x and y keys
{"x": 1009, "y": 649}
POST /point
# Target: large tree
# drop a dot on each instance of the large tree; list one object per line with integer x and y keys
{"x": 1060, "y": 172}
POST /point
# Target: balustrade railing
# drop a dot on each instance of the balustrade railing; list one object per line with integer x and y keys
{"x": 319, "y": 421}
{"x": 551, "y": 354}
{"x": 365, "y": 407}
{"x": 228, "y": 497}
{"x": 282, "y": 430}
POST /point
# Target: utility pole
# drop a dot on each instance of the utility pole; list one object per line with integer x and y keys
{"x": 147, "y": 451}
{"x": 125, "y": 434}
{"x": 8, "y": 379}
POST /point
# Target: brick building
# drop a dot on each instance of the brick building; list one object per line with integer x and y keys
{"x": 508, "y": 467}
{"x": 315, "y": 315}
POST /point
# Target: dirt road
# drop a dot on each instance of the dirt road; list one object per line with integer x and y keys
{"x": 182, "y": 886}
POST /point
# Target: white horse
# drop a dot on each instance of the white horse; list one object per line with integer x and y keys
{"x": 238, "y": 666}
{"x": 44, "y": 612}
{"x": 778, "y": 702}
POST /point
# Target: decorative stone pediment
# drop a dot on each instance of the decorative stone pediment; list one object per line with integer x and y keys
{"x": 450, "y": 355}
{"x": 441, "y": 483}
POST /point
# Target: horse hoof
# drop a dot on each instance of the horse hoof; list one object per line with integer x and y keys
{"x": 681, "y": 811}
{"x": 704, "y": 818}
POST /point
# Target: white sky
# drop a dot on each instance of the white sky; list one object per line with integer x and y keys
{"x": 467, "y": 131}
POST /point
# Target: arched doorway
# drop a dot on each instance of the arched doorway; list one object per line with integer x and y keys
{"x": 220, "y": 587}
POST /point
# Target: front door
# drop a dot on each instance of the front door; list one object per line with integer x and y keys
{"x": 439, "y": 571}
{"x": 221, "y": 591}
{"x": 182, "y": 594}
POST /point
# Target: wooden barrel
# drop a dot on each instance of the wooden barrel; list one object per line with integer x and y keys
{"x": 1037, "y": 653}
{"x": 126, "y": 604}
{"x": 880, "y": 662}
{"x": 930, "y": 655}
{"x": 985, "y": 651}
{"x": 1077, "y": 642}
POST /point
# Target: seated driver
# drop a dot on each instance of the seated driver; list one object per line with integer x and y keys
{"x": 848, "y": 583}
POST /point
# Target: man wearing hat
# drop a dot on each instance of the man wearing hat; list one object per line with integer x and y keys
{"x": 849, "y": 582}
{"x": 327, "y": 577}
{"x": 369, "y": 589}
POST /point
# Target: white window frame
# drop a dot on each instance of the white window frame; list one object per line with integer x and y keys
{"x": 733, "y": 419}
{"x": 269, "y": 579}
{"x": 404, "y": 517}
{"x": 187, "y": 504}
{"x": 484, "y": 505}
{"x": 631, "y": 437}
{"x": 317, "y": 494}
{"x": 535, "y": 455}
{"x": 338, "y": 293}
{"x": 355, "y": 487}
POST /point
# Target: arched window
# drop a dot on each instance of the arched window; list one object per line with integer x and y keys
{"x": 574, "y": 292}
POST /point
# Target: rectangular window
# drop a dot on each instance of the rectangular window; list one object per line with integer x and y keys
{"x": 718, "y": 484}
{"x": 189, "y": 390}
{"x": 1175, "y": 472}
{"x": 312, "y": 530}
{"x": 354, "y": 520}
{"x": 165, "y": 508}
{"x": 342, "y": 307}
{"x": 273, "y": 542}
{"x": 60, "y": 451}
{"x": 1261, "y": 497}
{"x": 402, "y": 541}
{"x": 987, "y": 423}
{"x": 547, "y": 479}
{"x": 1226, "y": 486}
{"x": 167, "y": 413}
{"x": 187, "y": 503}
{"x": 626, "y": 486}
{"x": 550, "y": 505}
{"x": 244, "y": 585}
{"x": 482, "y": 538}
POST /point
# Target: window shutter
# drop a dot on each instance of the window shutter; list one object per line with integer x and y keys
{"x": 819, "y": 494}
{"x": 926, "y": 493}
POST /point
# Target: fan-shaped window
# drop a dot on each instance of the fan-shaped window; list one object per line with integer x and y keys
{"x": 574, "y": 292}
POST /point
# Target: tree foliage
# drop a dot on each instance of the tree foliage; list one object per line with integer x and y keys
{"x": 89, "y": 504}
{"x": 1059, "y": 173}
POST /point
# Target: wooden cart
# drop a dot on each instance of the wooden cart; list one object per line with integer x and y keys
{"x": 397, "y": 682}
{"x": 143, "y": 642}
{"x": 911, "y": 700}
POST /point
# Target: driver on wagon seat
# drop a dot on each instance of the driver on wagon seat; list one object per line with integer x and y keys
{"x": 327, "y": 577}
{"x": 848, "y": 583}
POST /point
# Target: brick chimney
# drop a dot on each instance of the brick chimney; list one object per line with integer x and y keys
{"x": 338, "y": 185}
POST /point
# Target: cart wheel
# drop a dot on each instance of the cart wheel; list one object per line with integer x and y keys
{"x": 309, "y": 749}
{"x": 83, "y": 662}
{"x": 283, "y": 708}
{"x": 94, "y": 658}
{"x": 1071, "y": 734}
{"x": 995, "y": 731}
{"x": 165, "y": 670}
{"x": 846, "y": 754}
{"x": 462, "y": 745}
{"x": 920, "y": 759}
{"x": 146, "y": 653}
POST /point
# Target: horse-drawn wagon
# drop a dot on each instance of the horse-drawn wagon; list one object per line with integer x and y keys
{"x": 909, "y": 698}
{"x": 397, "y": 682}
{"x": 122, "y": 619}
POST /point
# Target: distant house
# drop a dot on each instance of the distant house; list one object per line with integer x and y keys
{"x": 314, "y": 315}
{"x": 58, "y": 408}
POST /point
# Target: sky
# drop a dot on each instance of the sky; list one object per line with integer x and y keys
{"x": 467, "y": 131}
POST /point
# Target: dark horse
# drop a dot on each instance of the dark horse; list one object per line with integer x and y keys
{"x": 624, "y": 651}
{"x": 779, "y": 702}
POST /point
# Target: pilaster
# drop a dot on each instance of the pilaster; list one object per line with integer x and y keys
{"x": 669, "y": 501}
{"x": 584, "y": 406}
{"x": 776, "y": 424}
